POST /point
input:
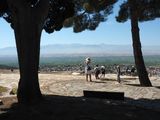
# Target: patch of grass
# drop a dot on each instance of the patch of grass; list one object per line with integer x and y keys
{"x": 13, "y": 91}
{"x": 3, "y": 89}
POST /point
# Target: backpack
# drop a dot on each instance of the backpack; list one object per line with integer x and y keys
{"x": 88, "y": 68}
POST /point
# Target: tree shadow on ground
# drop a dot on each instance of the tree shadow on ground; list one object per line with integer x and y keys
{"x": 107, "y": 79}
{"x": 157, "y": 87}
{"x": 98, "y": 82}
{"x": 122, "y": 79}
{"x": 130, "y": 78}
{"x": 79, "y": 108}
{"x": 136, "y": 85}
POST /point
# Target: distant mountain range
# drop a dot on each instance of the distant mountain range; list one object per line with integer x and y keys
{"x": 81, "y": 49}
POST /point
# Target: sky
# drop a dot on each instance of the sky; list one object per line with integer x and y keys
{"x": 109, "y": 32}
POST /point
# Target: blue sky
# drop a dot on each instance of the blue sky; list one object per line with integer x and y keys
{"x": 109, "y": 32}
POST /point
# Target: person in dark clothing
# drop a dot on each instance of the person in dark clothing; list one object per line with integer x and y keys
{"x": 103, "y": 72}
{"x": 133, "y": 70}
{"x": 96, "y": 72}
{"x": 118, "y": 73}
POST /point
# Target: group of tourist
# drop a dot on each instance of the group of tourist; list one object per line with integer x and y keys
{"x": 99, "y": 71}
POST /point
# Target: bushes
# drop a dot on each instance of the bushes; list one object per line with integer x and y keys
{"x": 3, "y": 89}
{"x": 13, "y": 91}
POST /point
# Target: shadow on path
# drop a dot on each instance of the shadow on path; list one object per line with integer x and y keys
{"x": 136, "y": 85}
{"x": 78, "y": 108}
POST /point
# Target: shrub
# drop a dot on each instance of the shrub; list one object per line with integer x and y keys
{"x": 3, "y": 89}
{"x": 13, "y": 91}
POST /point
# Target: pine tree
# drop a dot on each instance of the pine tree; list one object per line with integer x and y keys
{"x": 139, "y": 11}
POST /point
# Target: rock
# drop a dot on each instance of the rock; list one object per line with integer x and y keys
{"x": 76, "y": 73}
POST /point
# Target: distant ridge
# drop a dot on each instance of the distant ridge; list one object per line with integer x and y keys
{"x": 83, "y": 49}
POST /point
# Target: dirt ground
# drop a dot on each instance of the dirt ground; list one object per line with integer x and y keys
{"x": 64, "y": 100}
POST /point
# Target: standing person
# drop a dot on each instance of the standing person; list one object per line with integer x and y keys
{"x": 118, "y": 73}
{"x": 127, "y": 70}
{"x": 97, "y": 72}
{"x": 88, "y": 69}
{"x": 133, "y": 70}
{"x": 103, "y": 72}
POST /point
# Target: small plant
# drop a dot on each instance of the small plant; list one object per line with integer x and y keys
{"x": 3, "y": 89}
{"x": 13, "y": 91}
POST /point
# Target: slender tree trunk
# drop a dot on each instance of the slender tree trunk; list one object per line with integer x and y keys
{"x": 28, "y": 24}
{"x": 139, "y": 62}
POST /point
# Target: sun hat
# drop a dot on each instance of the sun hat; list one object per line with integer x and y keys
{"x": 88, "y": 60}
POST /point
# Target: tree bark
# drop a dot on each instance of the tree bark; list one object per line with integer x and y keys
{"x": 28, "y": 24}
{"x": 138, "y": 56}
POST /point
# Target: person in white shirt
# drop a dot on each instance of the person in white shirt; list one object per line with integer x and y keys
{"x": 88, "y": 69}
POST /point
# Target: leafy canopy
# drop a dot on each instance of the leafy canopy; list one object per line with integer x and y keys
{"x": 89, "y": 13}
{"x": 79, "y": 14}
{"x": 145, "y": 9}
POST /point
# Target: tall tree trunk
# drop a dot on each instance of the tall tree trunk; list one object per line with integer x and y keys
{"x": 28, "y": 24}
{"x": 139, "y": 62}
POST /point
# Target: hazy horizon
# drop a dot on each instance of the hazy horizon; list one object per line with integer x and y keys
{"x": 86, "y": 49}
